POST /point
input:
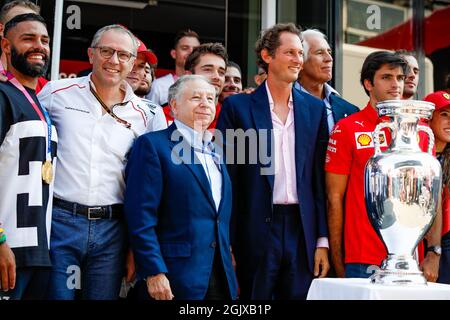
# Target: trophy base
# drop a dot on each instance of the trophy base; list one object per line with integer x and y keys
{"x": 399, "y": 271}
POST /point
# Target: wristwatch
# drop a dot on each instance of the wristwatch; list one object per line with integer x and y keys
{"x": 436, "y": 249}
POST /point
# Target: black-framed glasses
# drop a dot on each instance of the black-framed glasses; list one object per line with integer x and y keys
{"x": 107, "y": 53}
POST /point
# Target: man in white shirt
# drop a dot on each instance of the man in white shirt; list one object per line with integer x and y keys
{"x": 185, "y": 42}
{"x": 98, "y": 117}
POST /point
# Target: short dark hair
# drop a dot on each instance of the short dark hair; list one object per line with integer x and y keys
{"x": 17, "y": 3}
{"x": 21, "y": 18}
{"x": 185, "y": 33}
{"x": 376, "y": 60}
{"x": 234, "y": 65}
{"x": 270, "y": 40}
{"x": 215, "y": 48}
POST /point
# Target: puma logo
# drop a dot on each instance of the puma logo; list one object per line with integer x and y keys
{"x": 360, "y": 123}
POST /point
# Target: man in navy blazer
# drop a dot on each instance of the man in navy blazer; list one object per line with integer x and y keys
{"x": 279, "y": 229}
{"x": 178, "y": 202}
{"x": 317, "y": 71}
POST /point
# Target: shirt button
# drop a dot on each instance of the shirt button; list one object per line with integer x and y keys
{"x": 213, "y": 244}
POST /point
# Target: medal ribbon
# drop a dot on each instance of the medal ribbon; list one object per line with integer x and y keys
{"x": 43, "y": 115}
{"x": 120, "y": 120}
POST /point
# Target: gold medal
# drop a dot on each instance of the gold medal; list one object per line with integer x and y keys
{"x": 47, "y": 171}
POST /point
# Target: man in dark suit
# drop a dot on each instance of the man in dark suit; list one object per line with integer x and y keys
{"x": 317, "y": 71}
{"x": 279, "y": 222}
{"x": 178, "y": 202}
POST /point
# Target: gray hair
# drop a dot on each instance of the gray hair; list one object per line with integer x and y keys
{"x": 178, "y": 87}
{"x": 116, "y": 27}
{"x": 310, "y": 33}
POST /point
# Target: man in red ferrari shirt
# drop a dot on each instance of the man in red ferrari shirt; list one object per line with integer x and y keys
{"x": 350, "y": 146}
{"x": 209, "y": 60}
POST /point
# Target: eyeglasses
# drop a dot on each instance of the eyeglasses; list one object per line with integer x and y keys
{"x": 107, "y": 53}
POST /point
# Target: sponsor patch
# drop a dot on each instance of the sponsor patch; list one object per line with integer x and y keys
{"x": 331, "y": 149}
{"x": 335, "y": 130}
{"x": 364, "y": 140}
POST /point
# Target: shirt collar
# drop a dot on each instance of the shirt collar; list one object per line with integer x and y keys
{"x": 194, "y": 138}
{"x": 328, "y": 89}
{"x": 124, "y": 86}
{"x": 272, "y": 104}
{"x": 371, "y": 114}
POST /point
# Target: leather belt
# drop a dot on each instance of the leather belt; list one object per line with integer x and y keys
{"x": 114, "y": 211}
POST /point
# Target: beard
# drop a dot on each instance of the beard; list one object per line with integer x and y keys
{"x": 20, "y": 63}
{"x": 142, "y": 91}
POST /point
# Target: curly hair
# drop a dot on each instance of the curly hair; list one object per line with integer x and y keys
{"x": 270, "y": 40}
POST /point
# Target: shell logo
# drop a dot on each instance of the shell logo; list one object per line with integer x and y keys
{"x": 364, "y": 139}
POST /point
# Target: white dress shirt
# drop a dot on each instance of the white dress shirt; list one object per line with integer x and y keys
{"x": 93, "y": 147}
{"x": 329, "y": 90}
{"x": 211, "y": 168}
{"x": 285, "y": 180}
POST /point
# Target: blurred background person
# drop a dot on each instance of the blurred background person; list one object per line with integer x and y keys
{"x": 412, "y": 76}
{"x": 185, "y": 41}
{"x": 233, "y": 81}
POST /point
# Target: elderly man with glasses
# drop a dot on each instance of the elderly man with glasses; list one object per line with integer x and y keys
{"x": 98, "y": 117}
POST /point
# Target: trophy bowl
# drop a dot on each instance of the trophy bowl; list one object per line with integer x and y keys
{"x": 402, "y": 189}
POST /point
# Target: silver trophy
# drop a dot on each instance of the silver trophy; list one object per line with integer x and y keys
{"x": 402, "y": 188}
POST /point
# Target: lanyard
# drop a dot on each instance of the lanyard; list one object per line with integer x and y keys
{"x": 43, "y": 115}
{"x": 125, "y": 123}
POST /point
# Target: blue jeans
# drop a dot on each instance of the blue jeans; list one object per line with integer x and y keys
{"x": 358, "y": 270}
{"x": 31, "y": 284}
{"x": 87, "y": 255}
{"x": 444, "y": 263}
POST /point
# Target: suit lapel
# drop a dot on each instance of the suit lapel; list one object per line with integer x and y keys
{"x": 337, "y": 108}
{"x": 302, "y": 121}
{"x": 262, "y": 119}
{"x": 186, "y": 154}
{"x": 225, "y": 186}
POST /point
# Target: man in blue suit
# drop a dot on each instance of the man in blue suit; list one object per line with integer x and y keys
{"x": 279, "y": 231}
{"x": 317, "y": 71}
{"x": 178, "y": 202}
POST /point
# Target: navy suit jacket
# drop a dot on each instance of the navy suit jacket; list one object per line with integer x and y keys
{"x": 341, "y": 108}
{"x": 253, "y": 192}
{"x": 173, "y": 223}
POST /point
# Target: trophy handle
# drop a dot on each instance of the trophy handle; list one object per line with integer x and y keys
{"x": 430, "y": 135}
{"x": 376, "y": 135}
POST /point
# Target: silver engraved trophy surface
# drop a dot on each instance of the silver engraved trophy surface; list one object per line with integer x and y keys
{"x": 402, "y": 188}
